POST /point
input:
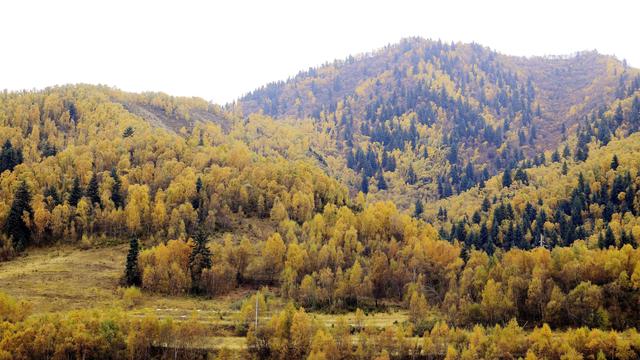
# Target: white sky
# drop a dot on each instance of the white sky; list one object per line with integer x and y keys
{"x": 221, "y": 50}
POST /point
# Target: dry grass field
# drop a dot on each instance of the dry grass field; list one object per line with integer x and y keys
{"x": 66, "y": 279}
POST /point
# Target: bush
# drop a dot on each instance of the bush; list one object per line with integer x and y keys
{"x": 7, "y": 252}
{"x": 132, "y": 296}
{"x": 12, "y": 310}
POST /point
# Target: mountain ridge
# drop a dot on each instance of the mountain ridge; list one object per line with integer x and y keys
{"x": 480, "y": 110}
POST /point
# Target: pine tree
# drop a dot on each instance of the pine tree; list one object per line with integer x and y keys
{"x": 200, "y": 257}
{"x": 521, "y": 176}
{"x": 634, "y": 117}
{"x": 52, "y": 193}
{"x": 382, "y": 184}
{"x": 476, "y": 218}
{"x": 132, "y": 271}
{"x": 10, "y": 157}
{"x": 486, "y": 204}
{"x": 411, "y": 176}
{"x": 201, "y": 138}
{"x": 506, "y": 177}
{"x": 565, "y": 168}
{"x": 453, "y": 154}
{"x": 419, "y": 209}
{"x": 614, "y": 162}
{"x": 93, "y": 191}
{"x": 483, "y": 238}
{"x": 609, "y": 239}
{"x": 364, "y": 184}
{"x": 76, "y": 192}
{"x": 128, "y": 132}
{"x": 198, "y": 185}
{"x": 116, "y": 196}
{"x": 618, "y": 117}
{"x": 15, "y": 226}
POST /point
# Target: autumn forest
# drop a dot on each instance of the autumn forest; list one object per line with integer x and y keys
{"x": 426, "y": 200}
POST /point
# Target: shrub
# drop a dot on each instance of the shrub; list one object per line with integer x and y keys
{"x": 12, "y": 310}
{"x": 132, "y": 296}
{"x": 7, "y": 252}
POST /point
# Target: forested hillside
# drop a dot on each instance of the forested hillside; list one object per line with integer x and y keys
{"x": 90, "y": 168}
{"x": 425, "y": 200}
{"x": 429, "y": 119}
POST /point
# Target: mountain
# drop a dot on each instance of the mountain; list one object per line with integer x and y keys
{"x": 431, "y": 120}
{"x": 425, "y": 200}
{"x": 427, "y": 119}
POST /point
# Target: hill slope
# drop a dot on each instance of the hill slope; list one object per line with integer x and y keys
{"x": 427, "y": 119}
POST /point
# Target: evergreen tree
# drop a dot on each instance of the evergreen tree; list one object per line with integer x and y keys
{"x": 618, "y": 117}
{"x": 382, "y": 184}
{"x": 201, "y": 138}
{"x": 483, "y": 238}
{"x": 116, "y": 195}
{"x": 582, "y": 150}
{"x": 351, "y": 160}
{"x": 364, "y": 184}
{"x": 626, "y": 239}
{"x": 411, "y": 176}
{"x": 614, "y": 162}
{"x": 442, "y": 214}
{"x": 609, "y": 239}
{"x": 52, "y": 193}
{"x": 634, "y": 117}
{"x": 76, "y": 192}
{"x": 15, "y": 226}
{"x": 10, "y": 157}
{"x": 197, "y": 201}
{"x": 198, "y": 185}
{"x": 200, "y": 258}
{"x": 476, "y": 218}
{"x": 486, "y": 204}
{"x": 93, "y": 191}
{"x": 565, "y": 168}
{"x": 506, "y": 178}
{"x": 128, "y": 132}
{"x": 132, "y": 275}
{"x": 419, "y": 209}
{"x": 453, "y": 154}
{"x": 521, "y": 176}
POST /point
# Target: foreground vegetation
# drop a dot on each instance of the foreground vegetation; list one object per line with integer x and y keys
{"x": 288, "y": 333}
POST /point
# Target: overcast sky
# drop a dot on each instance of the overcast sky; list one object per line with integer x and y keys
{"x": 220, "y": 50}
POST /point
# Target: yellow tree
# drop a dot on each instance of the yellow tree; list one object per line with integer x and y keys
{"x": 138, "y": 208}
{"x": 273, "y": 254}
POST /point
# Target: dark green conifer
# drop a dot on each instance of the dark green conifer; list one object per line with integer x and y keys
{"x": 200, "y": 258}
{"x": 15, "y": 226}
{"x": 506, "y": 178}
{"x": 614, "y": 162}
{"x": 116, "y": 195}
{"x": 76, "y": 192}
{"x": 93, "y": 191}
{"x": 419, "y": 209}
{"x": 132, "y": 271}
